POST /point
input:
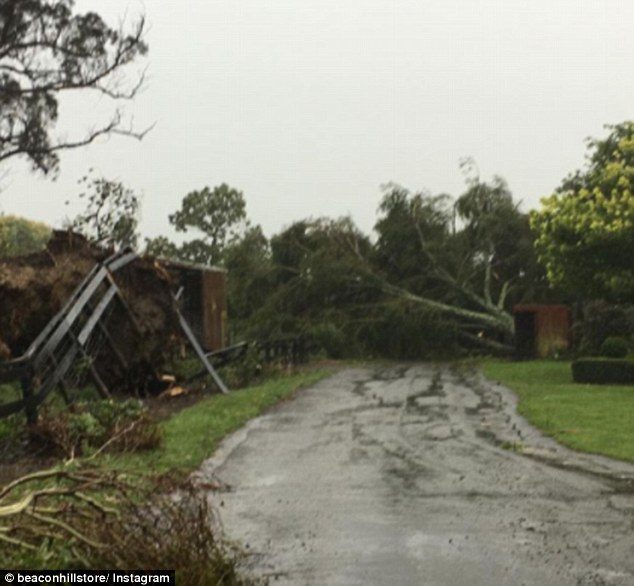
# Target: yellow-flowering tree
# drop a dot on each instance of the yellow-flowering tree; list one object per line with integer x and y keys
{"x": 585, "y": 230}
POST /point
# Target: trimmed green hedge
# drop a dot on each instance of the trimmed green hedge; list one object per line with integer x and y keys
{"x": 614, "y": 347}
{"x": 603, "y": 371}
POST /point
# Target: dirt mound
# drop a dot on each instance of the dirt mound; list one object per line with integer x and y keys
{"x": 35, "y": 287}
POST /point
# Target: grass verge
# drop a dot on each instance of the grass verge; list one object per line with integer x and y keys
{"x": 590, "y": 418}
{"x": 191, "y": 435}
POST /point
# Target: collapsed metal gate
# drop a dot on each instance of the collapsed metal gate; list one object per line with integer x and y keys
{"x": 74, "y": 336}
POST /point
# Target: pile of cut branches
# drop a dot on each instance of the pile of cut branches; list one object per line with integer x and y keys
{"x": 82, "y": 516}
{"x": 49, "y": 509}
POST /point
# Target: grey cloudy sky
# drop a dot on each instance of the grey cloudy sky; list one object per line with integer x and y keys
{"x": 308, "y": 106}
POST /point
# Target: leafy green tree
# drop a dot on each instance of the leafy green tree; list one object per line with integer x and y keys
{"x": 19, "y": 236}
{"x": 426, "y": 260}
{"x": 111, "y": 214}
{"x": 217, "y": 215}
{"x": 162, "y": 247}
{"x": 586, "y": 228}
{"x": 250, "y": 282}
{"x": 412, "y": 229}
{"x": 326, "y": 286}
{"x": 441, "y": 275}
{"x": 467, "y": 260}
{"x": 496, "y": 244}
{"x": 47, "y": 49}
{"x": 319, "y": 284}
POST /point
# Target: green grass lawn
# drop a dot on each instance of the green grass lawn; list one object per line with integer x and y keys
{"x": 589, "y": 418}
{"x": 191, "y": 435}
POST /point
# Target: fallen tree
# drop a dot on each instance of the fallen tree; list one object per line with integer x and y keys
{"x": 35, "y": 287}
{"x": 82, "y": 516}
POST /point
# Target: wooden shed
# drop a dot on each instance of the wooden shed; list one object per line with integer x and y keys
{"x": 204, "y": 301}
{"x": 541, "y": 331}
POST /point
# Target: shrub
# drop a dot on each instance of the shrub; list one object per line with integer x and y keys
{"x": 243, "y": 372}
{"x": 614, "y": 347}
{"x": 602, "y": 320}
{"x": 603, "y": 371}
{"x": 402, "y": 332}
{"x": 125, "y": 425}
{"x": 330, "y": 339}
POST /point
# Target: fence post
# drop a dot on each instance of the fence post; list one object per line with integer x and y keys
{"x": 30, "y": 408}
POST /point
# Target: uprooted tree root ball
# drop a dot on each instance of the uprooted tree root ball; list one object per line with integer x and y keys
{"x": 35, "y": 287}
{"x": 82, "y": 517}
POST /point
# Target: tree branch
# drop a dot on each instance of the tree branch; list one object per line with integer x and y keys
{"x": 500, "y": 322}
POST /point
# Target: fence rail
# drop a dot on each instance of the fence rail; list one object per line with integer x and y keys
{"x": 291, "y": 349}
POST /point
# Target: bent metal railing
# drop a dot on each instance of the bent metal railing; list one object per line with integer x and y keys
{"x": 48, "y": 359}
{"x": 289, "y": 350}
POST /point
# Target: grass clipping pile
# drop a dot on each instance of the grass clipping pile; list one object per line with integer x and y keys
{"x": 35, "y": 287}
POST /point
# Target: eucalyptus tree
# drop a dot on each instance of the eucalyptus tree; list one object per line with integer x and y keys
{"x": 47, "y": 49}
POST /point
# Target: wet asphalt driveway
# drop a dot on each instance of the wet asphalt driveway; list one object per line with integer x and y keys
{"x": 421, "y": 475}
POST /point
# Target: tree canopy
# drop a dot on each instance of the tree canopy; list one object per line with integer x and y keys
{"x": 586, "y": 228}
{"x": 441, "y": 274}
{"x": 111, "y": 214}
{"x": 46, "y": 49}
{"x": 19, "y": 236}
{"x": 467, "y": 259}
{"x": 216, "y": 216}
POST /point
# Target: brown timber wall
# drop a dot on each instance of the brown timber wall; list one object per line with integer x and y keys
{"x": 214, "y": 310}
{"x": 204, "y": 302}
{"x": 550, "y": 326}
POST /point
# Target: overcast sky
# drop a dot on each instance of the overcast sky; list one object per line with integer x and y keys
{"x": 308, "y": 106}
